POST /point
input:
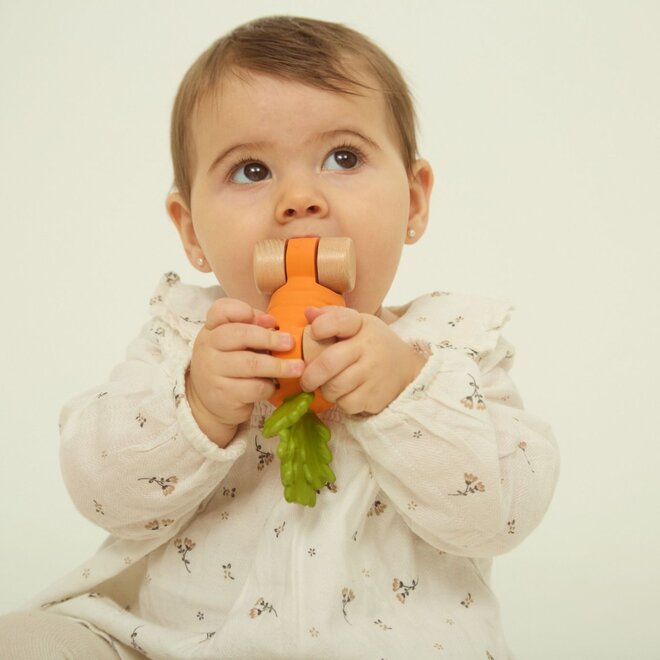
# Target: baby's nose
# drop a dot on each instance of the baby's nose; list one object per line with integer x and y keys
{"x": 301, "y": 203}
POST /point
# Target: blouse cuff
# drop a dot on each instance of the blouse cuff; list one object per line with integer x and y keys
{"x": 200, "y": 441}
{"x": 194, "y": 435}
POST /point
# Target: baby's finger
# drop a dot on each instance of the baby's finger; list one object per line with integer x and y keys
{"x": 251, "y": 390}
{"x": 329, "y": 364}
{"x": 248, "y": 364}
{"x": 347, "y": 381}
{"x": 229, "y": 310}
{"x": 356, "y": 401}
{"x": 241, "y": 336}
{"x": 341, "y": 322}
{"x": 312, "y": 313}
{"x": 265, "y": 320}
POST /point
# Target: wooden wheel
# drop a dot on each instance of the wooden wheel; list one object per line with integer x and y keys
{"x": 269, "y": 266}
{"x": 335, "y": 264}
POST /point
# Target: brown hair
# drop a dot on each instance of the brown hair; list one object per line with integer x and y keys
{"x": 317, "y": 53}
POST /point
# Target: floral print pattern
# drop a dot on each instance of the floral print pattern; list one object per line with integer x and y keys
{"x": 134, "y": 643}
{"x": 260, "y": 607}
{"x": 155, "y": 525}
{"x": 265, "y": 457}
{"x": 167, "y": 485}
{"x": 183, "y": 548}
{"x": 403, "y": 590}
{"x": 475, "y": 398}
{"x": 347, "y": 596}
{"x": 376, "y": 509}
{"x": 522, "y": 445}
{"x": 472, "y": 485}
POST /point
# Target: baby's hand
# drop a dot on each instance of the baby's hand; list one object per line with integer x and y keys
{"x": 230, "y": 369}
{"x": 365, "y": 371}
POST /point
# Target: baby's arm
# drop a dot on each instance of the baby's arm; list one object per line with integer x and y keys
{"x": 134, "y": 457}
{"x": 470, "y": 471}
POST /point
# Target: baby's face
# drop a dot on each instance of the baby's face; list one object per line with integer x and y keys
{"x": 280, "y": 159}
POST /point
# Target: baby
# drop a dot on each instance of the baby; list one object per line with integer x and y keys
{"x": 288, "y": 128}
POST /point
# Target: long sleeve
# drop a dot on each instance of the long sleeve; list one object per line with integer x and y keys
{"x": 133, "y": 458}
{"x": 470, "y": 470}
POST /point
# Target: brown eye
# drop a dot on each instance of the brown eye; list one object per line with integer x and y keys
{"x": 341, "y": 159}
{"x": 251, "y": 172}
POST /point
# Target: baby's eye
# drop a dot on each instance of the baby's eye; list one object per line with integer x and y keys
{"x": 341, "y": 159}
{"x": 250, "y": 172}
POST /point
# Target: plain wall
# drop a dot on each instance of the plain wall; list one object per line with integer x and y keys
{"x": 542, "y": 120}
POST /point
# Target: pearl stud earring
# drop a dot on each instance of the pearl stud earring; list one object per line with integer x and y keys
{"x": 412, "y": 233}
{"x": 200, "y": 261}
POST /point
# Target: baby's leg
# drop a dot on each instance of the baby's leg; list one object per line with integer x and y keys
{"x": 36, "y": 635}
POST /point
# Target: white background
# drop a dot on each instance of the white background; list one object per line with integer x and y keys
{"x": 542, "y": 120}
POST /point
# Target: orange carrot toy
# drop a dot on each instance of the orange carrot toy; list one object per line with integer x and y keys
{"x": 299, "y": 273}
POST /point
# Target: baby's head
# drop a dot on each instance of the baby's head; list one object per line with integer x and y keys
{"x": 290, "y": 127}
{"x": 326, "y": 55}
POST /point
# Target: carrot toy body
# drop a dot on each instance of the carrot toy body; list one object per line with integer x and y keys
{"x": 300, "y": 273}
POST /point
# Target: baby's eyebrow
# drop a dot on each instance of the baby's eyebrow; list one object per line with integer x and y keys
{"x": 348, "y": 131}
{"x": 242, "y": 146}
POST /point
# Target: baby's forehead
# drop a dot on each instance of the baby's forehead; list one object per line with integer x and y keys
{"x": 245, "y": 94}
{"x": 362, "y": 82}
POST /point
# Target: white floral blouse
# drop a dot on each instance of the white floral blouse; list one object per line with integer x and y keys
{"x": 205, "y": 558}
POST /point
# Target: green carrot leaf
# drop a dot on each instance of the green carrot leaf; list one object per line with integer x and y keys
{"x": 303, "y": 449}
{"x": 287, "y": 413}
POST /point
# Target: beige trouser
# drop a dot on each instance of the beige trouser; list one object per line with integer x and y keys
{"x": 36, "y": 635}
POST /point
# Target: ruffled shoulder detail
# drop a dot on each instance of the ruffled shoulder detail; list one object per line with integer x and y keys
{"x": 181, "y": 306}
{"x": 457, "y": 321}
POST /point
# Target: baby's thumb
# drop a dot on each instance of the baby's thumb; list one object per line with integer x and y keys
{"x": 264, "y": 320}
{"x": 312, "y": 313}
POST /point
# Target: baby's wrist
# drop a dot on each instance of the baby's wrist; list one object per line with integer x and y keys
{"x": 213, "y": 428}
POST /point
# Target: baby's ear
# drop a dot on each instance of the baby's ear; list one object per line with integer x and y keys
{"x": 421, "y": 185}
{"x": 180, "y": 214}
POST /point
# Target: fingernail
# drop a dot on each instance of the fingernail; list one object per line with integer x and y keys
{"x": 284, "y": 340}
{"x": 295, "y": 368}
